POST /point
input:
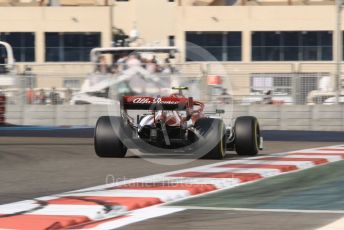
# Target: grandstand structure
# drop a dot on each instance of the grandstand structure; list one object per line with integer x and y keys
{"x": 248, "y": 37}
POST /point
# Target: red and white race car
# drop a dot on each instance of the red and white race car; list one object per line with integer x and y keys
{"x": 175, "y": 124}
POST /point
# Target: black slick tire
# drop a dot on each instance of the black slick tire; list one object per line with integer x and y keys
{"x": 106, "y": 140}
{"x": 213, "y": 132}
{"x": 247, "y": 136}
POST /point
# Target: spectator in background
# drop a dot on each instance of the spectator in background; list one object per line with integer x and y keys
{"x": 122, "y": 59}
{"x": 114, "y": 69}
{"x": 133, "y": 61}
{"x": 225, "y": 97}
{"x": 102, "y": 66}
{"x": 30, "y": 96}
{"x": 167, "y": 67}
{"x": 121, "y": 63}
{"x": 41, "y": 97}
{"x": 68, "y": 95}
{"x": 151, "y": 66}
{"x": 268, "y": 98}
{"x": 54, "y": 96}
{"x": 154, "y": 60}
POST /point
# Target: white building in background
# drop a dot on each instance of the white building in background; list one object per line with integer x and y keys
{"x": 247, "y": 36}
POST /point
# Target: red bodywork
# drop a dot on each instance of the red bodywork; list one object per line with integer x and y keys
{"x": 174, "y": 110}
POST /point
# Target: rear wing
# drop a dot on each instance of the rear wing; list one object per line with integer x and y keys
{"x": 159, "y": 103}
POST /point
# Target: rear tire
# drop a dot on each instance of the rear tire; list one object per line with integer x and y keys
{"x": 247, "y": 136}
{"x": 213, "y": 132}
{"x": 106, "y": 140}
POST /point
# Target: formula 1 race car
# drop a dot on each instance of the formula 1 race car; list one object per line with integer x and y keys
{"x": 174, "y": 124}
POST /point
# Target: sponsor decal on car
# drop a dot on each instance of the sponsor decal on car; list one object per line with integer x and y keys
{"x": 151, "y": 100}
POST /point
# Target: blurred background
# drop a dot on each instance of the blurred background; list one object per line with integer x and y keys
{"x": 279, "y": 60}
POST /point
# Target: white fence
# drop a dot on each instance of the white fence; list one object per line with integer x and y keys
{"x": 271, "y": 117}
{"x": 247, "y": 83}
{"x": 294, "y": 84}
{"x": 296, "y": 117}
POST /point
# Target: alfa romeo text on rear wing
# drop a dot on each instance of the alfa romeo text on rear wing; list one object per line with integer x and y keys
{"x": 158, "y": 103}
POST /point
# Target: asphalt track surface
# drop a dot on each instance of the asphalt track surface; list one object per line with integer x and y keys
{"x": 38, "y": 166}
{"x": 32, "y": 167}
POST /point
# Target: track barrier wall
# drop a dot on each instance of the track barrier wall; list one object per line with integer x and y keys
{"x": 271, "y": 117}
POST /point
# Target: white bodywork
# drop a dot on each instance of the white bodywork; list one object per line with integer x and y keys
{"x": 6, "y": 79}
{"x": 333, "y": 100}
{"x": 172, "y": 118}
{"x": 138, "y": 78}
{"x": 259, "y": 99}
{"x": 325, "y": 90}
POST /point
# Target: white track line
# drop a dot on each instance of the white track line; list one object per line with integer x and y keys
{"x": 261, "y": 171}
{"x": 163, "y": 195}
{"x": 336, "y": 225}
{"x": 259, "y": 210}
{"x": 329, "y": 158}
{"x": 299, "y": 164}
{"x": 91, "y": 211}
{"x": 320, "y": 151}
{"x": 18, "y": 206}
{"x": 136, "y": 216}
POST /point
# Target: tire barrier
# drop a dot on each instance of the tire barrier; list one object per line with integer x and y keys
{"x": 2, "y": 109}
